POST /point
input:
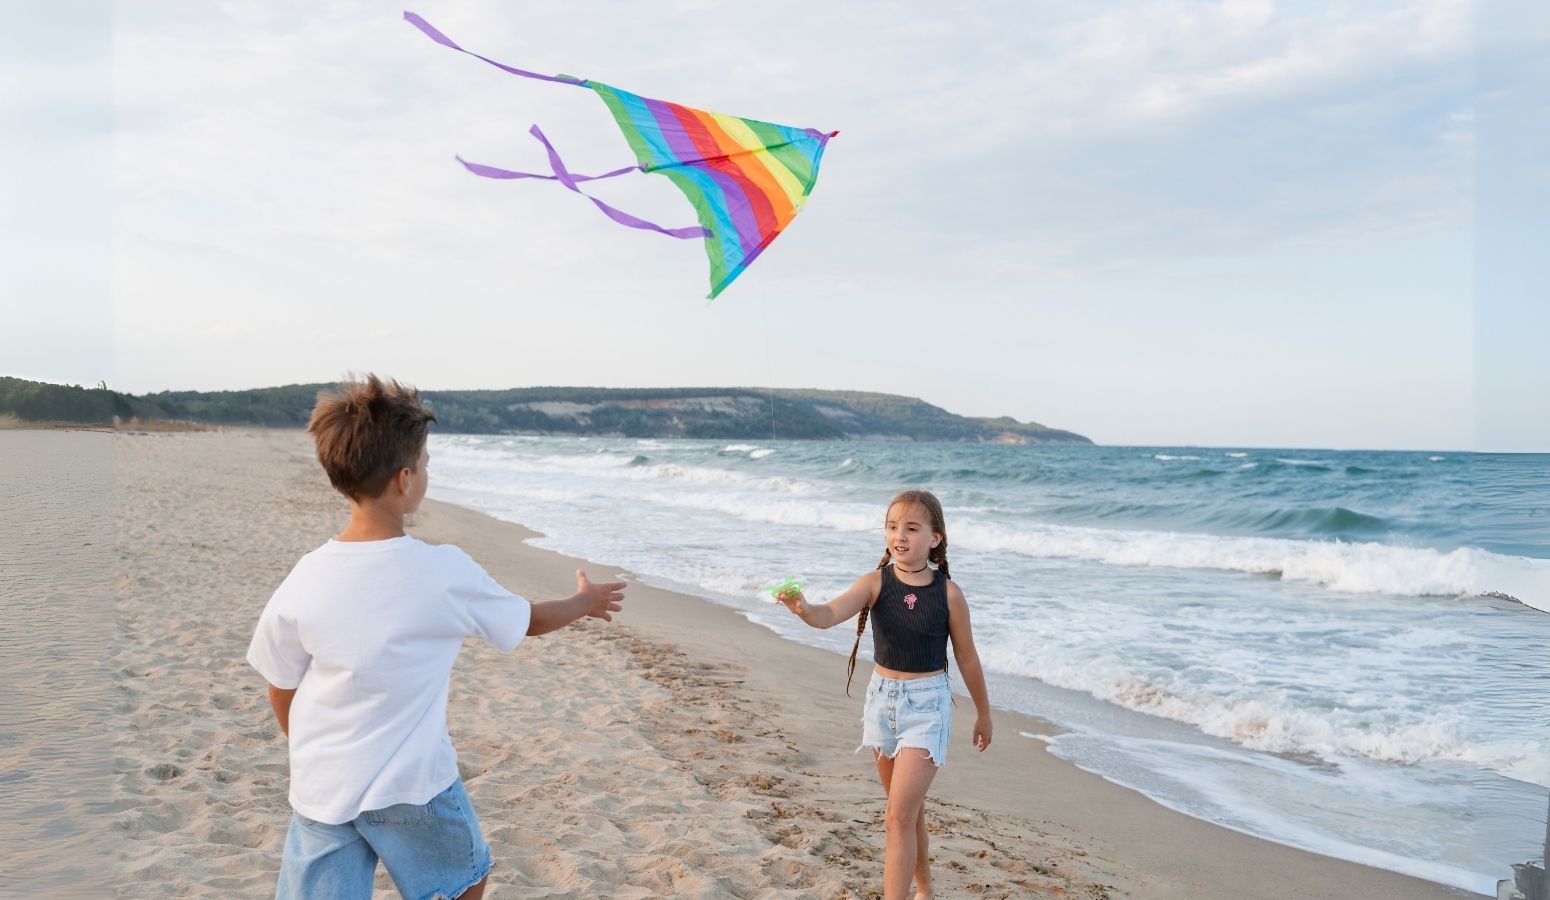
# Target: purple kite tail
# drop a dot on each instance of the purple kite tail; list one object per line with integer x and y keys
{"x": 564, "y": 176}
{"x": 445, "y": 41}
{"x": 484, "y": 171}
{"x": 561, "y": 174}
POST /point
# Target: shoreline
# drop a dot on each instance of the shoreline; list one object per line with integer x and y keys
{"x": 679, "y": 751}
{"x": 1141, "y": 839}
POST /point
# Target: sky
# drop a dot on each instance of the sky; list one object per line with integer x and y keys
{"x": 1234, "y": 223}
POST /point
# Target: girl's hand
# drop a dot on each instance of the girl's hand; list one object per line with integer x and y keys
{"x": 982, "y": 729}
{"x": 793, "y": 600}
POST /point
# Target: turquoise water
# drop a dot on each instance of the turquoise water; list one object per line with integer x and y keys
{"x": 1336, "y": 650}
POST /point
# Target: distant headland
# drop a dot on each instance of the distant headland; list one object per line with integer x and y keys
{"x": 713, "y": 413}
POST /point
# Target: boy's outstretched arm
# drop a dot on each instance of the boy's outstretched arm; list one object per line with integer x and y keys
{"x": 596, "y": 600}
{"x": 280, "y": 699}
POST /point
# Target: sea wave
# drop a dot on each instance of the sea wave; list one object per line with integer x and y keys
{"x": 606, "y": 464}
{"x": 1306, "y": 463}
{"x": 1315, "y": 522}
{"x": 1348, "y": 567}
{"x": 1268, "y": 723}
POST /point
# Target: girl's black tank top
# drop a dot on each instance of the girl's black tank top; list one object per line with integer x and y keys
{"x": 909, "y": 624}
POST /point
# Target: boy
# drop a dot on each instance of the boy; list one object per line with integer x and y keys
{"x": 357, "y": 645}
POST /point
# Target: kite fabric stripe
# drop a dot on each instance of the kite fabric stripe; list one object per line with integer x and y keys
{"x": 746, "y": 179}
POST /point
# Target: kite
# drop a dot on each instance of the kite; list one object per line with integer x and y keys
{"x": 747, "y": 179}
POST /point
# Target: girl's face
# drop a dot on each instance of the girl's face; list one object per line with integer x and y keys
{"x": 909, "y": 534}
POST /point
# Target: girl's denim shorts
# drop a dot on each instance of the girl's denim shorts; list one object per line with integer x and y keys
{"x": 432, "y": 851}
{"x": 916, "y": 712}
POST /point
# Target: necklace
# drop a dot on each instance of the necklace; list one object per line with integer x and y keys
{"x": 913, "y": 571}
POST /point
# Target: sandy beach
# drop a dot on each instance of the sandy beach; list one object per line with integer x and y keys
{"x": 679, "y": 751}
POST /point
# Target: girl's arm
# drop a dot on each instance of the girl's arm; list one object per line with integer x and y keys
{"x": 841, "y": 608}
{"x": 968, "y": 662}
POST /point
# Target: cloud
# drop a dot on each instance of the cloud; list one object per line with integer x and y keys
{"x": 286, "y": 163}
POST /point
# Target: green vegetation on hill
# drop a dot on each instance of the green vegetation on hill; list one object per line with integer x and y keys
{"x": 719, "y": 413}
{"x": 36, "y": 401}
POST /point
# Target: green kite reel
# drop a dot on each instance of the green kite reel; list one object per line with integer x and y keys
{"x": 791, "y": 585}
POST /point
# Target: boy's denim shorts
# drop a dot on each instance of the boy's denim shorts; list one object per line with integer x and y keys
{"x": 432, "y": 851}
{"x": 916, "y": 712}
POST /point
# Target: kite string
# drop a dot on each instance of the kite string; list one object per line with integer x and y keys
{"x": 771, "y": 381}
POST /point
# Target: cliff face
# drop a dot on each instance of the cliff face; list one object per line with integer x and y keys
{"x": 728, "y": 413}
{"x": 715, "y": 413}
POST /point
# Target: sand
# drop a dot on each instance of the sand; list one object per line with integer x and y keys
{"x": 56, "y": 564}
{"x": 679, "y": 751}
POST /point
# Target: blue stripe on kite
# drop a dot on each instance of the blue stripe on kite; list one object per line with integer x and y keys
{"x": 646, "y": 124}
{"x": 725, "y": 232}
{"x": 735, "y": 198}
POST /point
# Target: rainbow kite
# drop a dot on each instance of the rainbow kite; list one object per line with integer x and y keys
{"x": 747, "y": 179}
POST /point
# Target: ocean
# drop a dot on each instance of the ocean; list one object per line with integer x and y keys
{"x": 1342, "y": 651}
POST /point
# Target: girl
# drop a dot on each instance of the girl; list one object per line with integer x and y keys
{"x": 909, "y": 701}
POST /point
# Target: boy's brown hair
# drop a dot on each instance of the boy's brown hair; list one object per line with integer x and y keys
{"x": 367, "y": 431}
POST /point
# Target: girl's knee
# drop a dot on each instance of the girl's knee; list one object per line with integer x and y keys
{"x": 903, "y": 815}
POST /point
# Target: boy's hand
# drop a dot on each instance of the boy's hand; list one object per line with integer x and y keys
{"x": 602, "y": 599}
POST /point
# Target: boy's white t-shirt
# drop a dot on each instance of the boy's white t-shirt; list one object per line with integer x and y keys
{"x": 366, "y": 632}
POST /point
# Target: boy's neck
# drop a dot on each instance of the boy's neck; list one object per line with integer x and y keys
{"x": 371, "y": 522}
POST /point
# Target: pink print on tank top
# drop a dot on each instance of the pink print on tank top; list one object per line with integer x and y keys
{"x": 909, "y": 600}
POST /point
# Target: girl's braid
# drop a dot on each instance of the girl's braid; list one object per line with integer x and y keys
{"x": 850, "y": 667}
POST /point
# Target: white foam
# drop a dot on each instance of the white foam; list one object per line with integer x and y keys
{"x": 611, "y": 465}
{"x": 1355, "y": 568}
{"x": 1525, "y": 580}
{"x": 1258, "y": 723}
{"x": 1165, "y": 456}
{"x": 1236, "y": 455}
{"x": 757, "y": 508}
{"x": 1281, "y": 801}
{"x": 760, "y": 453}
